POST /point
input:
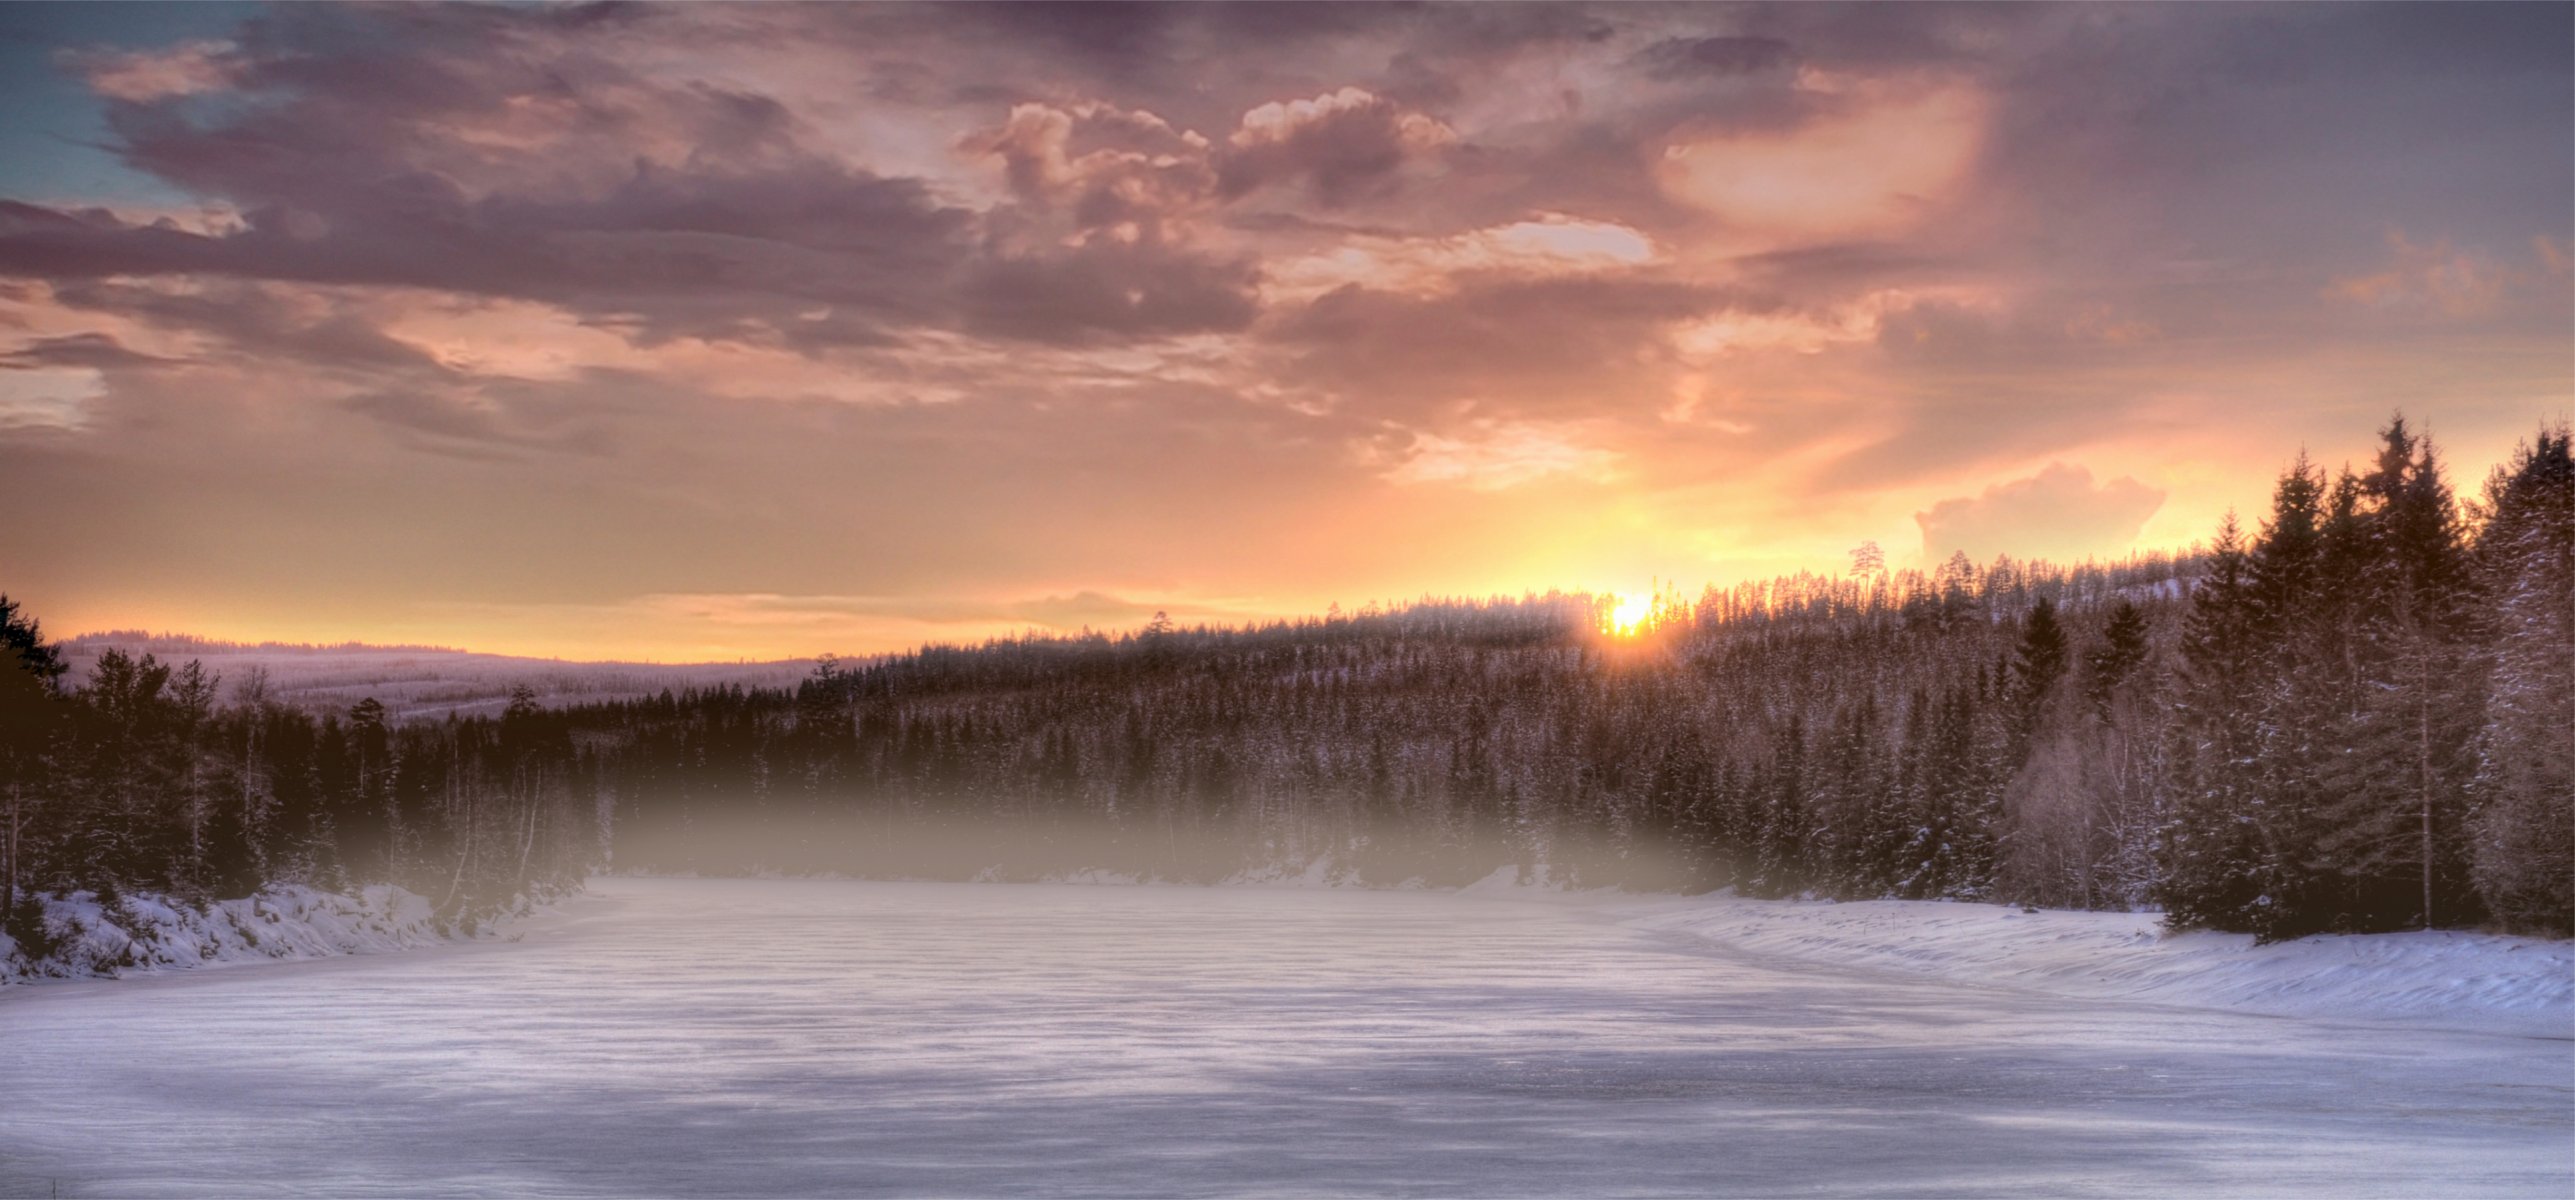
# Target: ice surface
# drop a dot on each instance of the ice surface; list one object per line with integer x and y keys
{"x": 812, "y": 1037}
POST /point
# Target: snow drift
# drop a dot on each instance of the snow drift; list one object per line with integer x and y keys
{"x": 151, "y": 933}
{"x": 2443, "y": 979}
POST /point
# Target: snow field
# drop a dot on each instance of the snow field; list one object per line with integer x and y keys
{"x": 2440, "y": 979}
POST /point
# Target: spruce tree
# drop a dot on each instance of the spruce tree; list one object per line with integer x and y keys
{"x": 30, "y": 717}
{"x": 2523, "y": 830}
{"x": 2039, "y": 664}
{"x": 2121, "y": 652}
{"x": 2396, "y": 838}
{"x": 2213, "y": 868}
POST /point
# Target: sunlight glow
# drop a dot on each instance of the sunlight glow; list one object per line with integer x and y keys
{"x": 1628, "y": 614}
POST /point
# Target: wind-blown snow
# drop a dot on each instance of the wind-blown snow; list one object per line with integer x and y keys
{"x": 746, "y": 1037}
{"x": 2442, "y": 979}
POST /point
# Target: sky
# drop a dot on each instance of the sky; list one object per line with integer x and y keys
{"x": 758, "y": 331}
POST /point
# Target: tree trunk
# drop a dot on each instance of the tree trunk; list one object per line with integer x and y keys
{"x": 2423, "y": 771}
{"x": 17, "y": 797}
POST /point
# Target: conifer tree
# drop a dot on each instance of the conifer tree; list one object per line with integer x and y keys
{"x": 2396, "y": 837}
{"x": 30, "y": 716}
{"x": 2040, "y": 663}
{"x": 2214, "y": 868}
{"x": 2524, "y": 826}
{"x": 2121, "y": 652}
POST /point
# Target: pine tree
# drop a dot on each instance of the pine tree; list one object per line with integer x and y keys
{"x": 31, "y": 715}
{"x": 2396, "y": 839}
{"x": 1779, "y": 867}
{"x": 2292, "y": 704}
{"x": 2214, "y": 872}
{"x": 2039, "y": 665}
{"x": 2524, "y": 827}
{"x": 2109, "y": 665}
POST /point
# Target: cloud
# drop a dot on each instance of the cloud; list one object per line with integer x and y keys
{"x": 1751, "y": 330}
{"x": 2057, "y": 514}
{"x": 136, "y": 77}
{"x": 1685, "y": 58}
{"x": 1494, "y": 455}
{"x": 1552, "y": 244}
{"x": 1258, "y": 305}
{"x": 1505, "y": 346}
{"x": 1343, "y": 145}
{"x": 46, "y": 397}
{"x": 1062, "y": 611}
{"x": 1107, "y": 288}
{"x": 2439, "y": 279}
{"x": 1869, "y": 162}
{"x": 507, "y": 155}
{"x": 666, "y": 255}
{"x": 1102, "y": 166}
{"x": 469, "y": 423}
{"x": 93, "y": 351}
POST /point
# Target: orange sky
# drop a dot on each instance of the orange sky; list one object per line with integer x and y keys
{"x": 717, "y": 332}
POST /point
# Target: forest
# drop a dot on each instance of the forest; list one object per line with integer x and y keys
{"x": 2352, "y": 713}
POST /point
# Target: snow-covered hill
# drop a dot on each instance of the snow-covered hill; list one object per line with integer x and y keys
{"x": 421, "y": 682}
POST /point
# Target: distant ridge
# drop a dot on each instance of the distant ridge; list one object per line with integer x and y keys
{"x": 417, "y": 682}
{"x": 144, "y": 641}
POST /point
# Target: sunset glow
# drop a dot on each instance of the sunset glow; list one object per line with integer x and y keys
{"x": 1628, "y": 616}
{"x": 758, "y": 331}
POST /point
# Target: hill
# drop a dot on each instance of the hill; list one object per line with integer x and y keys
{"x": 416, "y": 682}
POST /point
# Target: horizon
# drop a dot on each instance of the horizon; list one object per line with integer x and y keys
{"x": 1626, "y": 613}
{"x": 1624, "y": 602}
{"x": 690, "y": 334}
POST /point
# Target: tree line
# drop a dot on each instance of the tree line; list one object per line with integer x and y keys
{"x": 2353, "y": 716}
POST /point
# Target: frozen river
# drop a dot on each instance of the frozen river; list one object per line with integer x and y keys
{"x": 705, "y": 1037}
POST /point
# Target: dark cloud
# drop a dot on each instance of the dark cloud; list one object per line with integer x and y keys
{"x": 675, "y": 253}
{"x": 502, "y": 153}
{"x": 1506, "y": 346}
{"x": 257, "y": 322}
{"x": 1115, "y": 34}
{"x": 97, "y": 351}
{"x": 1697, "y": 58}
{"x": 461, "y": 424}
{"x": 1108, "y": 291}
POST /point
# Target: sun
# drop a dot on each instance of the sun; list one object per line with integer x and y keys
{"x": 1627, "y": 616}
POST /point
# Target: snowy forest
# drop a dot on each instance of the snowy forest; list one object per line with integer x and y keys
{"x": 2352, "y": 713}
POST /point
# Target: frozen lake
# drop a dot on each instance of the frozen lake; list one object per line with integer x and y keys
{"x": 754, "y": 1038}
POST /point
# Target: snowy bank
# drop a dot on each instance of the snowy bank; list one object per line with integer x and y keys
{"x": 156, "y": 933}
{"x": 2444, "y": 979}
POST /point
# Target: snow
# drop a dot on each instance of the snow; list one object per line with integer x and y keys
{"x": 786, "y": 1037}
{"x": 423, "y": 682}
{"x": 2437, "y": 979}
{"x": 145, "y": 933}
